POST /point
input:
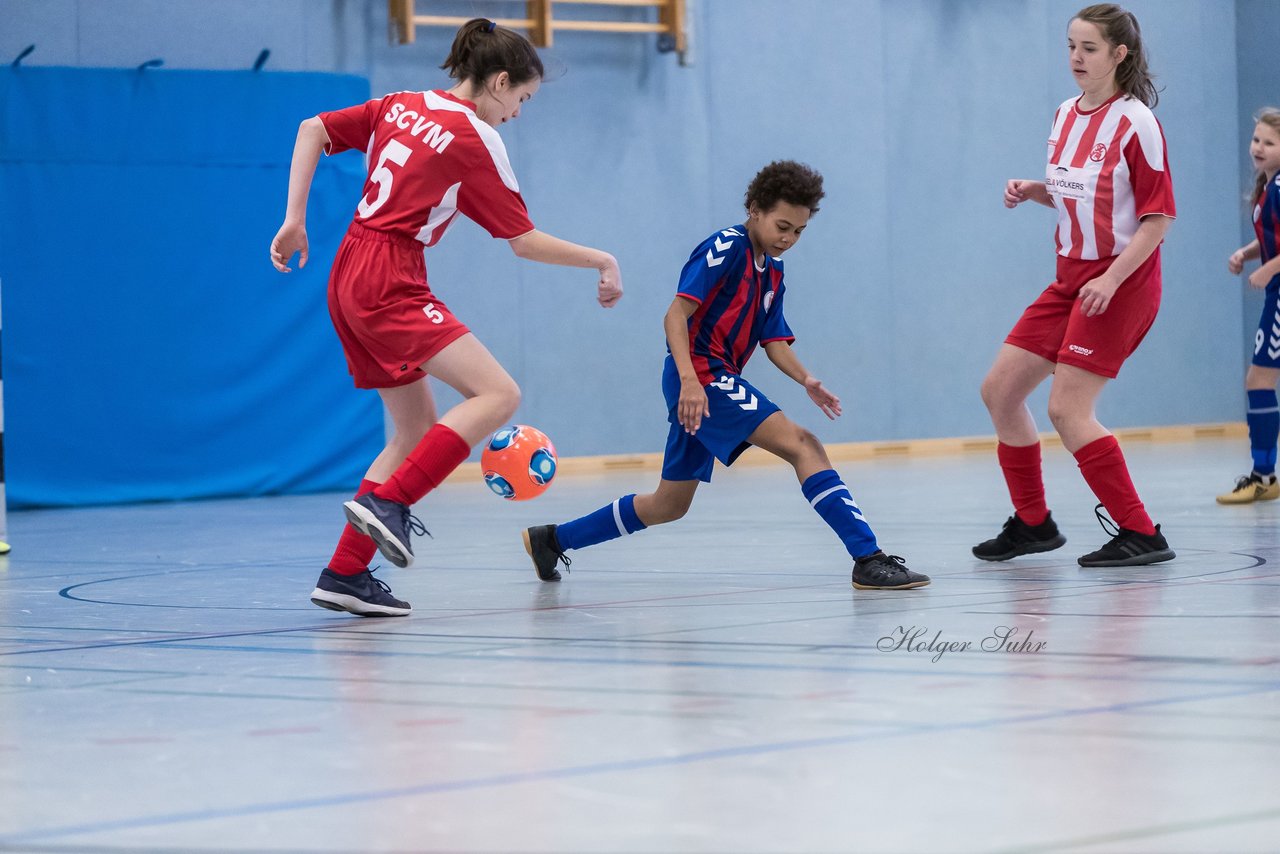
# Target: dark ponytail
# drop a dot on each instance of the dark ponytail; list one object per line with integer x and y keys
{"x": 482, "y": 48}
{"x": 1120, "y": 27}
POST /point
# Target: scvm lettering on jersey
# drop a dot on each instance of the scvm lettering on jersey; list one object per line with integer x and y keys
{"x": 433, "y": 136}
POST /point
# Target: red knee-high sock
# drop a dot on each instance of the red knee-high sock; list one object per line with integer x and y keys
{"x": 1021, "y": 467}
{"x": 436, "y": 456}
{"x": 1104, "y": 469}
{"x": 355, "y": 549}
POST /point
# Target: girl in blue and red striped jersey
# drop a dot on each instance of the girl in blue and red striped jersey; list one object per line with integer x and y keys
{"x": 729, "y": 300}
{"x": 1108, "y": 179}
{"x": 1263, "y": 414}
{"x": 431, "y": 155}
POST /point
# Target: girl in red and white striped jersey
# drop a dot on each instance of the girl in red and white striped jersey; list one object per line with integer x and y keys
{"x": 1108, "y": 179}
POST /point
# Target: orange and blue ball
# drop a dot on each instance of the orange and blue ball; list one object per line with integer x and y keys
{"x": 519, "y": 462}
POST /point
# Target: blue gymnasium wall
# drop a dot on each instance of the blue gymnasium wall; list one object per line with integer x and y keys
{"x": 149, "y": 351}
{"x": 916, "y": 111}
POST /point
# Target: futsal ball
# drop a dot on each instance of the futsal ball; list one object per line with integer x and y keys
{"x": 519, "y": 462}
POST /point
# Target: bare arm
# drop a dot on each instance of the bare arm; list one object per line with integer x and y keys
{"x": 785, "y": 359}
{"x": 1019, "y": 190}
{"x": 1248, "y": 252}
{"x": 1260, "y": 277}
{"x": 1096, "y": 294}
{"x": 692, "y": 406}
{"x": 292, "y": 236}
{"x": 546, "y": 249}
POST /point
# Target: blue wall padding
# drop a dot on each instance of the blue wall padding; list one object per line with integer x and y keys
{"x": 151, "y": 351}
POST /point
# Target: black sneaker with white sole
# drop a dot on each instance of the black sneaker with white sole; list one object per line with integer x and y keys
{"x": 1019, "y": 538}
{"x": 388, "y": 523}
{"x": 359, "y": 594}
{"x": 880, "y": 571}
{"x": 1127, "y": 548}
{"x": 543, "y": 546}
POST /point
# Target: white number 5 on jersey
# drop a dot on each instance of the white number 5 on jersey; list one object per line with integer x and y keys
{"x": 397, "y": 153}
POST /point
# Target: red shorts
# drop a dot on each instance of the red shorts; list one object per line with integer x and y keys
{"x": 388, "y": 320}
{"x": 1054, "y": 328}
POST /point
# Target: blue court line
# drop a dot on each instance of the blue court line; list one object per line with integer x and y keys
{"x": 1052, "y": 592}
{"x": 93, "y": 629}
{"x": 147, "y": 641}
{"x": 904, "y": 601}
{"x": 1145, "y": 832}
{"x": 474, "y": 705}
{"x": 778, "y": 647}
{"x": 612, "y": 767}
{"x": 1241, "y": 616}
{"x": 487, "y": 654}
{"x": 80, "y": 686}
{"x": 357, "y": 632}
{"x": 487, "y": 657}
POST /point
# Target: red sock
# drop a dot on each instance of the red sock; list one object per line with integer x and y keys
{"x": 1104, "y": 469}
{"x": 355, "y": 549}
{"x": 436, "y": 456}
{"x": 1021, "y": 467}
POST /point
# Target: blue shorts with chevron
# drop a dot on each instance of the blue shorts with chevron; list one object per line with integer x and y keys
{"x": 1266, "y": 343}
{"x": 737, "y": 409}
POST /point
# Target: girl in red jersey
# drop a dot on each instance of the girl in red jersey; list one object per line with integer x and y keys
{"x": 1263, "y": 414}
{"x": 1108, "y": 179}
{"x": 431, "y": 155}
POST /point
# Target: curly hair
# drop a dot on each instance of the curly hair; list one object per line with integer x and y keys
{"x": 785, "y": 181}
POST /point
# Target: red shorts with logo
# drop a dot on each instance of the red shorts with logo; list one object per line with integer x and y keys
{"x": 388, "y": 320}
{"x": 1054, "y": 328}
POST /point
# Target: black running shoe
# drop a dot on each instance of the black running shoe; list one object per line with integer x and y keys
{"x": 1127, "y": 548}
{"x": 388, "y": 523}
{"x": 359, "y": 594}
{"x": 541, "y": 544}
{"x": 880, "y": 571}
{"x": 1019, "y": 538}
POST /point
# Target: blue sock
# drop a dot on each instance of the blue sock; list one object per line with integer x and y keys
{"x": 1264, "y": 425}
{"x": 608, "y": 523}
{"x": 826, "y": 492}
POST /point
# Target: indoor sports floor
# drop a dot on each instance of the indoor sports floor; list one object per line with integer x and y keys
{"x": 715, "y": 685}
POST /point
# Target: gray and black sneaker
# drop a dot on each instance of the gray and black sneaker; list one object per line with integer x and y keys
{"x": 880, "y": 571}
{"x": 359, "y": 594}
{"x": 388, "y": 524}
{"x": 1019, "y": 538}
{"x": 543, "y": 546}
{"x": 1127, "y": 548}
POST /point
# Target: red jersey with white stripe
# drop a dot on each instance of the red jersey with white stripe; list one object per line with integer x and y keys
{"x": 429, "y": 157}
{"x": 1108, "y": 168}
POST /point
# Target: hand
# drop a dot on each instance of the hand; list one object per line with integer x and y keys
{"x": 826, "y": 401}
{"x": 1259, "y": 279}
{"x": 1016, "y": 192}
{"x": 291, "y": 238}
{"x": 1235, "y": 264}
{"x": 692, "y": 406}
{"x": 609, "y": 291}
{"x": 1096, "y": 295}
